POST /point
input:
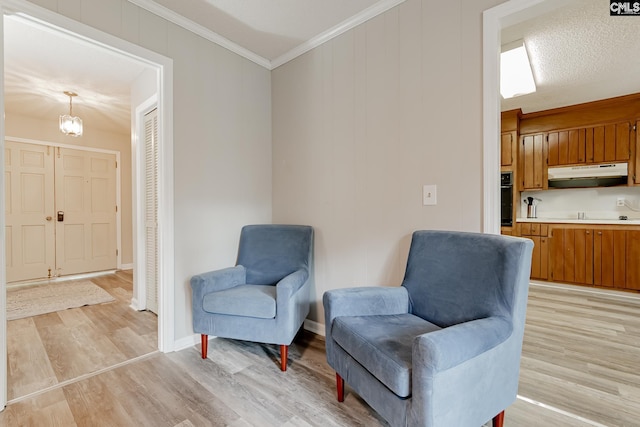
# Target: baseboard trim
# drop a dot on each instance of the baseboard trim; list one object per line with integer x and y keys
{"x": 315, "y": 327}
{"x": 186, "y": 342}
{"x": 610, "y": 293}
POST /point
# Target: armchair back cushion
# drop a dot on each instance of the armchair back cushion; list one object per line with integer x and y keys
{"x": 453, "y": 278}
{"x": 267, "y": 263}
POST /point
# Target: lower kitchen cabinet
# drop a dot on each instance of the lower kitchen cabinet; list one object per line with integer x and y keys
{"x": 605, "y": 257}
{"x": 540, "y": 256}
{"x": 633, "y": 260}
{"x": 571, "y": 255}
{"x": 609, "y": 258}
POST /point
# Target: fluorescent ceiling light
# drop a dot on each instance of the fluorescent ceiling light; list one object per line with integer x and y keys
{"x": 516, "y": 77}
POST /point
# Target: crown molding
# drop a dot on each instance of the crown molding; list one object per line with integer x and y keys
{"x": 341, "y": 28}
{"x": 344, "y": 26}
{"x": 198, "y": 29}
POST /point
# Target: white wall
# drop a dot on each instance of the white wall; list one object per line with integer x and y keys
{"x": 222, "y": 138}
{"x": 362, "y": 122}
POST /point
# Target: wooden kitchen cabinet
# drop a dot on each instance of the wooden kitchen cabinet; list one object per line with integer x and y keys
{"x": 590, "y": 256}
{"x": 633, "y": 260}
{"x": 532, "y": 159}
{"x": 567, "y": 147}
{"x": 609, "y": 258}
{"x": 509, "y": 122}
{"x": 571, "y": 254}
{"x": 605, "y": 255}
{"x": 595, "y": 144}
{"x": 540, "y": 256}
{"x": 506, "y": 148}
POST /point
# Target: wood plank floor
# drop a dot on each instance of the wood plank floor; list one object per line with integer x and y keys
{"x": 578, "y": 369}
{"x": 53, "y": 348}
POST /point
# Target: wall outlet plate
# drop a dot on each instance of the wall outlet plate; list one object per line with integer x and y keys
{"x": 620, "y": 201}
{"x": 429, "y": 195}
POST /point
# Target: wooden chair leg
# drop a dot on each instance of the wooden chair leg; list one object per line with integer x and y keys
{"x": 340, "y": 387}
{"x": 284, "y": 354}
{"x": 498, "y": 420}
{"x": 204, "y": 342}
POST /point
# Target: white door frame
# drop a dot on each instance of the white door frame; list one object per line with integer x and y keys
{"x": 493, "y": 21}
{"x": 164, "y": 67}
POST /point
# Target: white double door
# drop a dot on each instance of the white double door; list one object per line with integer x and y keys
{"x": 60, "y": 211}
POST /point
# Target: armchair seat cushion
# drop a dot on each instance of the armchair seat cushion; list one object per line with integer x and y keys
{"x": 244, "y": 300}
{"x": 382, "y": 345}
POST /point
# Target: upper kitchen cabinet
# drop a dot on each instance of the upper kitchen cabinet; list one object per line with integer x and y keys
{"x": 594, "y": 144}
{"x": 509, "y": 139}
{"x": 506, "y": 149}
{"x": 532, "y": 169}
{"x": 603, "y": 131}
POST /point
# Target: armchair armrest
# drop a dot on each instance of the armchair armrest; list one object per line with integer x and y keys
{"x": 364, "y": 301}
{"x": 217, "y": 280}
{"x": 288, "y": 286}
{"x": 441, "y": 350}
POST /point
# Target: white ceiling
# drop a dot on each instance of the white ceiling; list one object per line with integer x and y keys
{"x": 579, "y": 53}
{"x": 269, "y": 28}
{"x": 40, "y": 64}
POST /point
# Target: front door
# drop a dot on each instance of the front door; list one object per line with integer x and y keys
{"x": 60, "y": 211}
{"x": 29, "y": 210}
{"x": 85, "y": 211}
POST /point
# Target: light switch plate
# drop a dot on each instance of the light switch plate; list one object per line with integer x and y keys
{"x": 429, "y": 195}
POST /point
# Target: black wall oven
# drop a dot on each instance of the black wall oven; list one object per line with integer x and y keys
{"x": 506, "y": 199}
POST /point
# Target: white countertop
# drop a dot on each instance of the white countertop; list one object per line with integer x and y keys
{"x": 630, "y": 221}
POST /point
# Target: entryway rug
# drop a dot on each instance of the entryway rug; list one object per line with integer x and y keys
{"x": 34, "y": 300}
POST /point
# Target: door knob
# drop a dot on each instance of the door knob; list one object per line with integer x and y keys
{"x": 48, "y": 218}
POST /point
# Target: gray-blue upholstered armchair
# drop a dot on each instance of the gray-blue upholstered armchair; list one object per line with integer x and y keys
{"x": 443, "y": 349}
{"x": 265, "y": 297}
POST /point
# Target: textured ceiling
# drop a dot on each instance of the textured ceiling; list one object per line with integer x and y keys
{"x": 579, "y": 54}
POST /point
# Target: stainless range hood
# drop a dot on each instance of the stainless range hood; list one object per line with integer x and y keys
{"x": 600, "y": 175}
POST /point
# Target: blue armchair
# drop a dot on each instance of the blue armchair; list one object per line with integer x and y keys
{"x": 444, "y": 348}
{"x": 265, "y": 297}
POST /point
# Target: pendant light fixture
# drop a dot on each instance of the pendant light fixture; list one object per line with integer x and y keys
{"x": 70, "y": 125}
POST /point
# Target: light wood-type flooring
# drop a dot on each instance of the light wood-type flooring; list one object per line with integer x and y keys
{"x": 53, "y": 348}
{"x": 579, "y": 368}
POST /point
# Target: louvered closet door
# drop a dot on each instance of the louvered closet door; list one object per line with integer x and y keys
{"x": 29, "y": 228}
{"x": 86, "y": 197}
{"x": 151, "y": 210}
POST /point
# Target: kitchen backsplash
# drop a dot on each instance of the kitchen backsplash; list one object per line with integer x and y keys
{"x": 596, "y": 203}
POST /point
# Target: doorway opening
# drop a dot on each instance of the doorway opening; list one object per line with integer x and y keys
{"x": 161, "y": 69}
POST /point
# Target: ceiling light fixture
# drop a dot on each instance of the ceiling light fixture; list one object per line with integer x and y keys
{"x": 516, "y": 77}
{"x": 70, "y": 125}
